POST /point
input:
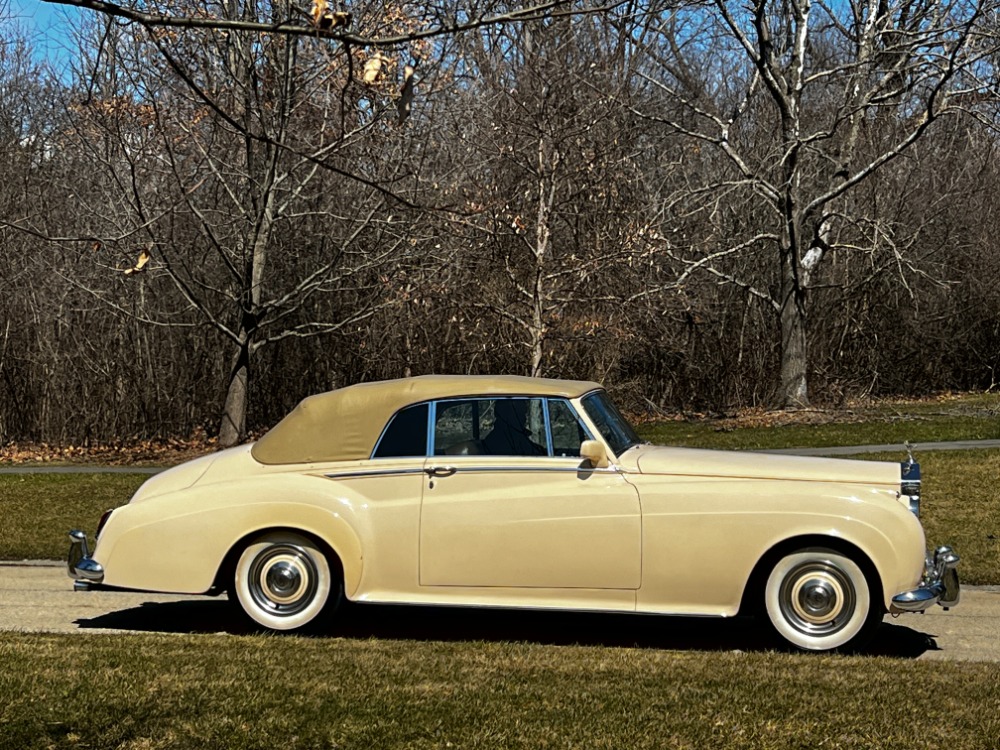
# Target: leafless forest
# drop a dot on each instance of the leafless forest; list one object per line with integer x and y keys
{"x": 221, "y": 206}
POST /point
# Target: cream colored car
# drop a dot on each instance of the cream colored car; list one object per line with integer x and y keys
{"x": 522, "y": 492}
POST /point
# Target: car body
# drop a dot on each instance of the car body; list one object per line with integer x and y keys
{"x": 522, "y": 492}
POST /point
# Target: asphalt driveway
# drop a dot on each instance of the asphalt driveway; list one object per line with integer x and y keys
{"x": 39, "y": 597}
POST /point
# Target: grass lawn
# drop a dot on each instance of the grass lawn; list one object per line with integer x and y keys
{"x": 961, "y": 417}
{"x": 916, "y": 430}
{"x": 36, "y": 510}
{"x": 213, "y": 691}
{"x": 960, "y": 506}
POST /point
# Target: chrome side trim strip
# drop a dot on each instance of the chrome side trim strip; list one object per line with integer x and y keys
{"x": 471, "y": 469}
{"x": 372, "y": 473}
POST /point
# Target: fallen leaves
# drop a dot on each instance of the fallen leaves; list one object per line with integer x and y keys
{"x": 165, "y": 451}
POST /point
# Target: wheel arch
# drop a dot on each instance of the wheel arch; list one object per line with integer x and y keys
{"x": 227, "y": 568}
{"x": 752, "y": 599}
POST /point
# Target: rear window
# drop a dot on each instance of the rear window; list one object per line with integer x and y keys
{"x": 406, "y": 435}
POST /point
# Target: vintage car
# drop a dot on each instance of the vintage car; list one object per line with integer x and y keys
{"x": 522, "y": 492}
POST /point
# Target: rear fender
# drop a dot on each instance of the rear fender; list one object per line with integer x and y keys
{"x": 177, "y": 542}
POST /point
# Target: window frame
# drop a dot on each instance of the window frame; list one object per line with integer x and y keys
{"x": 432, "y": 408}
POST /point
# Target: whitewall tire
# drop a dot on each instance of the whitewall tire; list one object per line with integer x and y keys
{"x": 283, "y": 581}
{"x": 820, "y": 600}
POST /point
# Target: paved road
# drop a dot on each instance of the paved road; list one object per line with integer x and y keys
{"x": 39, "y": 597}
{"x": 84, "y": 469}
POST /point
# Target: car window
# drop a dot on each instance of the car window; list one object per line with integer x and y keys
{"x": 567, "y": 430}
{"x": 490, "y": 427}
{"x": 614, "y": 428}
{"x": 406, "y": 435}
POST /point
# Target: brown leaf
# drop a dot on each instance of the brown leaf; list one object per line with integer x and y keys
{"x": 140, "y": 264}
{"x": 320, "y": 10}
{"x": 373, "y": 68}
{"x": 339, "y": 19}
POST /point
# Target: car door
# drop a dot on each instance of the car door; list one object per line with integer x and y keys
{"x": 542, "y": 520}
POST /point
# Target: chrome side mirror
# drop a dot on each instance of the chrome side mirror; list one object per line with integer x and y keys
{"x": 594, "y": 452}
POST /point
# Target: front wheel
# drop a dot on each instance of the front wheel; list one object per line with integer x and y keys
{"x": 821, "y": 600}
{"x": 283, "y": 581}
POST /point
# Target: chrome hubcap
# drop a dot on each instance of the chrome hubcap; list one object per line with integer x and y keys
{"x": 283, "y": 579}
{"x": 817, "y": 598}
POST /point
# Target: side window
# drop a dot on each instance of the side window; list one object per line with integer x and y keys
{"x": 491, "y": 427}
{"x": 406, "y": 435}
{"x": 458, "y": 427}
{"x": 567, "y": 431}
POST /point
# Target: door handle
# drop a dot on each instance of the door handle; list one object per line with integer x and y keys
{"x": 440, "y": 471}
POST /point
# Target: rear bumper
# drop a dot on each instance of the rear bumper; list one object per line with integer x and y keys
{"x": 939, "y": 585}
{"x": 86, "y": 571}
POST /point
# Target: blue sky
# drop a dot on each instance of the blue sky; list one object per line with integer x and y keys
{"x": 48, "y": 26}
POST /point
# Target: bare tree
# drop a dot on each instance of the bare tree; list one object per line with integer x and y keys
{"x": 803, "y": 102}
{"x": 557, "y": 215}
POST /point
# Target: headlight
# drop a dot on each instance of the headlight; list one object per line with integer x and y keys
{"x": 909, "y": 484}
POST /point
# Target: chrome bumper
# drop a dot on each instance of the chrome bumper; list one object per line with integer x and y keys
{"x": 938, "y": 586}
{"x": 86, "y": 571}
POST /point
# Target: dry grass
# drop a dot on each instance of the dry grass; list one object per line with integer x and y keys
{"x": 961, "y": 507}
{"x": 257, "y": 692}
{"x": 946, "y": 417}
{"x": 36, "y": 510}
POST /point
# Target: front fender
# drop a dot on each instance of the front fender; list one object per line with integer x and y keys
{"x": 177, "y": 542}
{"x": 703, "y": 537}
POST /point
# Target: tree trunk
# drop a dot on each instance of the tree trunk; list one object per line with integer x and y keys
{"x": 234, "y": 413}
{"x": 548, "y": 162}
{"x": 794, "y": 354}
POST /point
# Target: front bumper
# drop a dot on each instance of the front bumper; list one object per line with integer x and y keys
{"x": 938, "y": 586}
{"x": 86, "y": 572}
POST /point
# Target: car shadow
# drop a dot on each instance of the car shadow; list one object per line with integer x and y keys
{"x": 416, "y": 623}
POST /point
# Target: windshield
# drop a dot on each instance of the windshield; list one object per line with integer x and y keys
{"x": 617, "y": 432}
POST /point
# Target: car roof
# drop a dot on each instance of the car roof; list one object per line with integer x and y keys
{"x": 343, "y": 425}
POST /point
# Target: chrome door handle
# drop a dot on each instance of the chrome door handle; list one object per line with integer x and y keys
{"x": 441, "y": 471}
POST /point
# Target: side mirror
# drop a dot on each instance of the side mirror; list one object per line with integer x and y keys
{"x": 594, "y": 452}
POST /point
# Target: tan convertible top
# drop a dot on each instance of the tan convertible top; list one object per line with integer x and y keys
{"x": 343, "y": 425}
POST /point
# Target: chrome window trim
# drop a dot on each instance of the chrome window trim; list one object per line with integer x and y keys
{"x": 548, "y": 429}
{"x": 432, "y": 419}
{"x": 566, "y": 469}
{"x": 431, "y": 422}
{"x": 499, "y": 397}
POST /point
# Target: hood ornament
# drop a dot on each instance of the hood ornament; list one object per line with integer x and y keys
{"x": 909, "y": 451}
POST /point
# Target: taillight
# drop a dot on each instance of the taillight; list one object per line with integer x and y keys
{"x": 104, "y": 520}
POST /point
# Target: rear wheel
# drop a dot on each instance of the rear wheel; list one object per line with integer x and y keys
{"x": 818, "y": 599}
{"x": 284, "y": 581}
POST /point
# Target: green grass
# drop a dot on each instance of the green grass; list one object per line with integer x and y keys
{"x": 212, "y": 691}
{"x": 36, "y": 510}
{"x": 964, "y": 417}
{"x": 961, "y": 507}
{"x": 914, "y": 429}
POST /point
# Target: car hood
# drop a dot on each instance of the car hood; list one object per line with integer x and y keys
{"x": 653, "y": 459}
